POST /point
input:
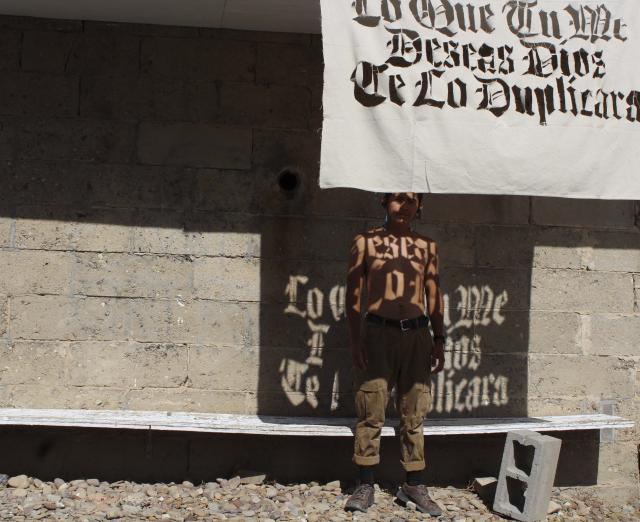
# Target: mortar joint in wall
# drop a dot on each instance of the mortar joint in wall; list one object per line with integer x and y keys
{"x": 585, "y": 333}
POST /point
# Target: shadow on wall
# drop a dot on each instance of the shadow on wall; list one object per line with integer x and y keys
{"x": 299, "y": 236}
{"x": 305, "y": 367}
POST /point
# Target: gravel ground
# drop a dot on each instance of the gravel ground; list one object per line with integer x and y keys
{"x": 26, "y": 498}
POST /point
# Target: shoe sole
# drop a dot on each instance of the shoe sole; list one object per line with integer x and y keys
{"x": 404, "y": 498}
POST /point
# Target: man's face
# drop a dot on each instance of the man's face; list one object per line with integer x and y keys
{"x": 402, "y": 207}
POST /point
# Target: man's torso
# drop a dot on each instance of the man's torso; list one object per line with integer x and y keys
{"x": 395, "y": 273}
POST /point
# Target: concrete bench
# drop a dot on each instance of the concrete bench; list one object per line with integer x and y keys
{"x": 291, "y": 426}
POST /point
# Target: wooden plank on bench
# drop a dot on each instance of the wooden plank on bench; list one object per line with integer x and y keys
{"x": 294, "y": 426}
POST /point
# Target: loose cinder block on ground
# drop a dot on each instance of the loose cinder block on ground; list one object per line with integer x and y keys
{"x": 527, "y": 474}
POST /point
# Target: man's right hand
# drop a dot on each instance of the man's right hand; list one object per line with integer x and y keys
{"x": 359, "y": 358}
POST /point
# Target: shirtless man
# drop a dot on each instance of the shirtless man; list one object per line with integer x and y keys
{"x": 398, "y": 269}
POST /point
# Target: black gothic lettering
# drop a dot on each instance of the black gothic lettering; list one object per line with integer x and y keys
{"x": 457, "y": 94}
{"x": 542, "y": 59}
{"x": 426, "y": 90}
{"x": 406, "y": 48}
{"x": 633, "y": 111}
{"x": 366, "y": 83}
{"x": 496, "y": 97}
{"x": 395, "y": 84}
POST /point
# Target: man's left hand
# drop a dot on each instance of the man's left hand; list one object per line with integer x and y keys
{"x": 437, "y": 356}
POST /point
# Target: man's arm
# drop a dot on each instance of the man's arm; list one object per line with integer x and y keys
{"x": 435, "y": 306}
{"x": 355, "y": 287}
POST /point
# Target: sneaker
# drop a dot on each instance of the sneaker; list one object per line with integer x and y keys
{"x": 419, "y": 495}
{"x": 362, "y": 498}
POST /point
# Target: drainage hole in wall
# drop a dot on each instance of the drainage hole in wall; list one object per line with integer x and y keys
{"x": 288, "y": 181}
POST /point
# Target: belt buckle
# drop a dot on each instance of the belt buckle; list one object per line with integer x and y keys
{"x": 402, "y": 328}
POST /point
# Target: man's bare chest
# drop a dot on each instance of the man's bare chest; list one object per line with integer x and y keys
{"x": 390, "y": 253}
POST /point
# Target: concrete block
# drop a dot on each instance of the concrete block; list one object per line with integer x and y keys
{"x": 118, "y": 28}
{"x": 6, "y": 230}
{"x": 227, "y": 190}
{"x": 10, "y": 42}
{"x": 29, "y": 23}
{"x": 194, "y": 145}
{"x": 68, "y": 318}
{"x": 256, "y": 36}
{"x": 64, "y": 229}
{"x": 486, "y": 289}
{"x": 613, "y": 251}
{"x": 581, "y": 291}
{"x": 35, "y": 272}
{"x": 523, "y": 247}
{"x": 186, "y": 399}
{"x": 230, "y": 368}
{"x": 80, "y": 140}
{"x": 275, "y": 150}
{"x": 588, "y": 377}
{"x": 105, "y": 54}
{"x": 200, "y": 234}
{"x": 456, "y": 243}
{"x": 127, "y": 364}
{"x": 103, "y": 185}
{"x": 66, "y": 397}
{"x": 464, "y": 208}
{"x": 555, "y": 333}
{"x": 527, "y": 474}
{"x": 47, "y": 52}
{"x": 140, "y": 98}
{"x": 125, "y": 275}
{"x": 264, "y": 105}
{"x": 195, "y": 322}
{"x": 229, "y": 279}
{"x": 582, "y": 213}
{"x": 481, "y": 385}
{"x": 618, "y": 463}
{"x": 139, "y": 186}
{"x": 521, "y": 331}
{"x": 485, "y": 487}
{"x": 614, "y": 334}
{"x": 296, "y": 238}
{"x": 38, "y": 95}
{"x": 7, "y": 141}
{"x": 288, "y": 65}
{"x": 4, "y": 314}
{"x": 504, "y": 247}
{"x": 34, "y": 363}
{"x": 203, "y": 59}
{"x": 318, "y": 285}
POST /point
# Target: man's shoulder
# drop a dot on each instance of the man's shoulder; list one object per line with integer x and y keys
{"x": 368, "y": 233}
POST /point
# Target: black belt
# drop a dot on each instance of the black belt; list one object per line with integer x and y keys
{"x": 403, "y": 324}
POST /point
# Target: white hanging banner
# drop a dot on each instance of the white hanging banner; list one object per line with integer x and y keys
{"x": 529, "y": 97}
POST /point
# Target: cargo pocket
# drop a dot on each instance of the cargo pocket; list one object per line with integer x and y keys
{"x": 371, "y": 402}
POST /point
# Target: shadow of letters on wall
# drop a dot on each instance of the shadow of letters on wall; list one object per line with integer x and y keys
{"x": 466, "y": 384}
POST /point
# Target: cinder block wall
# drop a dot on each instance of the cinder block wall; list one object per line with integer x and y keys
{"x": 154, "y": 258}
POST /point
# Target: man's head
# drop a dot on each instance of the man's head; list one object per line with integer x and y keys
{"x": 402, "y": 207}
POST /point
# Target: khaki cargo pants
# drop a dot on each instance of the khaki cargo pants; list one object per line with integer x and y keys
{"x": 395, "y": 357}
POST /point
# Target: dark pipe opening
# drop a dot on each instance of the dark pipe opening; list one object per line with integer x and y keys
{"x": 289, "y": 181}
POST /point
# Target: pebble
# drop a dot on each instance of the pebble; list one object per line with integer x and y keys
{"x": 231, "y": 500}
{"x": 20, "y": 481}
